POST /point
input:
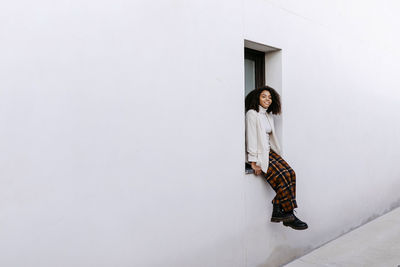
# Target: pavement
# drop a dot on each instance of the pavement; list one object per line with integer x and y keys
{"x": 376, "y": 243}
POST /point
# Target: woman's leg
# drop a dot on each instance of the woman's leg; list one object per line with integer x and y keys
{"x": 282, "y": 179}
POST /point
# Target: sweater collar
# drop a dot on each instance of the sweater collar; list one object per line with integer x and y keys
{"x": 262, "y": 110}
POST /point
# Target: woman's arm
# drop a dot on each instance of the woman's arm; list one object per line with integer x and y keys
{"x": 251, "y": 136}
{"x": 251, "y": 140}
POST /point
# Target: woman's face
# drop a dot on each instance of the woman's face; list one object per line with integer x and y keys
{"x": 265, "y": 99}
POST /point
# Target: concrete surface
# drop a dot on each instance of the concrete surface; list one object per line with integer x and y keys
{"x": 376, "y": 243}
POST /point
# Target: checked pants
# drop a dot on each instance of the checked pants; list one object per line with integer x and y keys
{"x": 282, "y": 179}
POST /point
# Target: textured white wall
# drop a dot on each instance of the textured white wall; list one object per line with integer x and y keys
{"x": 122, "y": 129}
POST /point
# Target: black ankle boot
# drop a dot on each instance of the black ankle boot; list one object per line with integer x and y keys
{"x": 296, "y": 224}
{"x": 279, "y": 215}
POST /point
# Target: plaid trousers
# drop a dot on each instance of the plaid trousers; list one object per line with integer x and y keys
{"x": 282, "y": 179}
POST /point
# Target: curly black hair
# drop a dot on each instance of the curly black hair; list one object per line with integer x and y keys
{"x": 252, "y": 100}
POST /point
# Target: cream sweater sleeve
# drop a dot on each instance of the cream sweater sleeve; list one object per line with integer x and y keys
{"x": 251, "y": 135}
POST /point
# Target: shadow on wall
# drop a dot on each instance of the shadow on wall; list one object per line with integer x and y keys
{"x": 283, "y": 255}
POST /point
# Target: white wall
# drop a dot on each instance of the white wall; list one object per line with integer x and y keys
{"x": 122, "y": 129}
{"x": 340, "y": 113}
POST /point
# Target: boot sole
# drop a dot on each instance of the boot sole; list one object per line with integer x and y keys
{"x": 282, "y": 219}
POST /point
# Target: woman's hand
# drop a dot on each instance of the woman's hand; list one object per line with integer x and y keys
{"x": 257, "y": 169}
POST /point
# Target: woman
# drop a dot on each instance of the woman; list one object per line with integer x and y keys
{"x": 263, "y": 153}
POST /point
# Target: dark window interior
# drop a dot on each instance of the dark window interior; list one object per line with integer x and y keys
{"x": 259, "y": 66}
